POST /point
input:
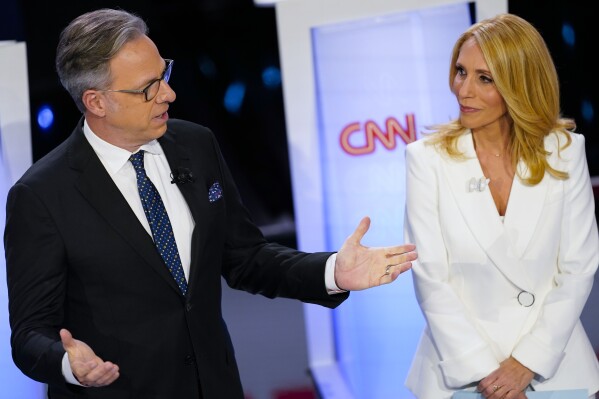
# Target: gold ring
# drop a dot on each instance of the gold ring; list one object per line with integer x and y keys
{"x": 496, "y": 387}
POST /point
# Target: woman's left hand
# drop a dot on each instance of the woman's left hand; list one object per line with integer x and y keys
{"x": 509, "y": 381}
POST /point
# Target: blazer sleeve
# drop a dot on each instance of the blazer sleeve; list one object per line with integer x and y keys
{"x": 36, "y": 277}
{"x": 542, "y": 349}
{"x": 465, "y": 356}
{"x": 252, "y": 264}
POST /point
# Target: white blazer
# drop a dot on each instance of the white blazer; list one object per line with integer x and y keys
{"x": 490, "y": 289}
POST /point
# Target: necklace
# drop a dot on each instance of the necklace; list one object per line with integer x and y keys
{"x": 495, "y": 154}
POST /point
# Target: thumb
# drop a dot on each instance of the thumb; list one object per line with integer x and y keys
{"x": 67, "y": 339}
{"x": 360, "y": 231}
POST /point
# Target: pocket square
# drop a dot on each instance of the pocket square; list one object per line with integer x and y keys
{"x": 215, "y": 192}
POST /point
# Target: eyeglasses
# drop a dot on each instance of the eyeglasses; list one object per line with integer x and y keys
{"x": 151, "y": 90}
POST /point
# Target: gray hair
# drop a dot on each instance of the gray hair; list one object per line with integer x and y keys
{"x": 87, "y": 45}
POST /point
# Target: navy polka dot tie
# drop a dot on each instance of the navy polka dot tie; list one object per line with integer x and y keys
{"x": 160, "y": 224}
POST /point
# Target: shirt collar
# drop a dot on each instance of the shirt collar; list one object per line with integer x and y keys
{"x": 113, "y": 157}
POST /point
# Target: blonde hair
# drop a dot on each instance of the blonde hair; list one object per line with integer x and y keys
{"x": 525, "y": 76}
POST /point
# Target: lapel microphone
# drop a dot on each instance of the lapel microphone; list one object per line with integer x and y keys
{"x": 182, "y": 176}
{"x": 478, "y": 184}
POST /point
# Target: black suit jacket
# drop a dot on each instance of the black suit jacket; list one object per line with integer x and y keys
{"x": 77, "y": 257}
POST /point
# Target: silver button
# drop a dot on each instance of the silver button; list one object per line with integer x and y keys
{"x": 526, "y": 299}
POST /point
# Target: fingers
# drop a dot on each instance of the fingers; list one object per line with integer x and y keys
{"x": 104, "y": 374}
{"x": 494, "y": 391}
{"x": 360, "y": 231}
{"x": 401, "y": 255}
{"x": 498, "y": 391}
{"x": 358, "y": 267}
{"x": 99, "y": 374}
{"x": 400, "y": 250}
{"x": 399, "y": 259}
{"x": 89, "y": 369}
{"x": 509, "y": 381}
{"x": 393, "y": 271}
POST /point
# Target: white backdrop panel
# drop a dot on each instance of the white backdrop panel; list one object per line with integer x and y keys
{"x": 15, "y": 158}
{"x": 360, "y": 79}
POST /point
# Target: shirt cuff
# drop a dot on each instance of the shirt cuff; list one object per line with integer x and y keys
{"x": 67, "y": 372}
{"x": 329, "y": 276}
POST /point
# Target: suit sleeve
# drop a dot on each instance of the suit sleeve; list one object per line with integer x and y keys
{"x": 254, "y": 265}
{"x": 542, "y": 349}
{"x": 35, "y": 273}
{"x": 465, "y": 355}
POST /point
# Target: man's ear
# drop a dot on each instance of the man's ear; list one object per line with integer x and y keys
{"x": 94, "y": 102}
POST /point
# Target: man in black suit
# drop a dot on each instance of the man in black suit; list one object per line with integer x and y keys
{"x": 96, "y": 311}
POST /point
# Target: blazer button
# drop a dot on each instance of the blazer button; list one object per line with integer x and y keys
{"x": 188, "y": 307}
{"x": 526, "y": 299}
{"x": 190, "y": 359}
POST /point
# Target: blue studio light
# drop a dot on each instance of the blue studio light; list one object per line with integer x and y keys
{"x": 45, "y": 117}
{"x": 234, "y": 97}
{"x": 568, "y": 34}
{"x": 587, "y": 111}
{"x": 207, "y": 67}
{"x": 271, "y": 77}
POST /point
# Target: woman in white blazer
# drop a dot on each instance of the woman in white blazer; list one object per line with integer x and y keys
{"x": 500, "y": 206}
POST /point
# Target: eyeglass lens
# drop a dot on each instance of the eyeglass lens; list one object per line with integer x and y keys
{"x": 154, "y": 87}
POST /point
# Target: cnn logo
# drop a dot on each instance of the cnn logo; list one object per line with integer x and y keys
{"x": 372, "y": 132}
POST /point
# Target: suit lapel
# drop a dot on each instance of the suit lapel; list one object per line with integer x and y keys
{"x": 177, "y": 155}
{"x": 481, "y": 216}
{"x": 98, "y": 188}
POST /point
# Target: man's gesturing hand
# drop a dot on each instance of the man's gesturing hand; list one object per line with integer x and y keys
{"x": 89, "y": 369}
{"x": 358, "y": 267}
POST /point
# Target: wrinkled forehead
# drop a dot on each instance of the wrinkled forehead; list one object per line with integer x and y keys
{"x": 138, "y": 61}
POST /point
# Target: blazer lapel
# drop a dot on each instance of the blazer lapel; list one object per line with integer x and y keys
{"x": 98, "y": 188}
{"x": 477, "y": 207}
{"x": 178, "y": 157}
{"x": 521, "y": 218}
{"x": 481, "y": 216}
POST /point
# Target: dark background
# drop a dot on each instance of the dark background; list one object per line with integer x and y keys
{"x": 219, "y": 42}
